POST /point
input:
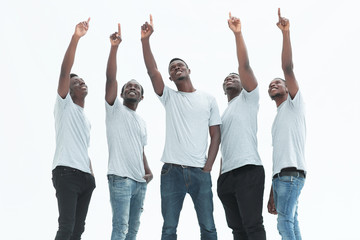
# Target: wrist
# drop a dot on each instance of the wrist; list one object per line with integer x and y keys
{"x": 75, "y": 37}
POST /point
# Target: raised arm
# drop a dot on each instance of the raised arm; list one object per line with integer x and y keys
{"x": 247, "y": 78}
{"x": 68, "y": 61}
{"x": 158, "y": 84}
{"x": 111, "y": 83}
{"x": 286, "y": 56}
{"x": 215, "y": 139}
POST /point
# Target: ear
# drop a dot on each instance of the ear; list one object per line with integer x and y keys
{"x": 141, "y": 98}
{"x": 189, "y": 70}
{"x": 170, "y": 79}
{"x": 121, "y": 95}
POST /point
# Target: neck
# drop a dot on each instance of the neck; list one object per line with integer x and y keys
{"x": 131, "y": 105}
{"x": 78, "y": 101}
{"x": 280, "y": 99}
{"x": 185, "y": 85}
{"x": 232, "y": 93}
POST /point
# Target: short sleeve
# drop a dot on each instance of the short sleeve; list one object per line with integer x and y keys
{"x": 214, "y": 113}
{"x": 164, "y": 98}
{"x": 251, "y": 97}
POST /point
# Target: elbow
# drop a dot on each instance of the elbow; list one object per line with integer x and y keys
{"x": 288, "y": 68}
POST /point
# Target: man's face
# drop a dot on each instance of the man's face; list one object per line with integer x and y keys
{"x": 78, "y": 87}
{"x": 178, "y": 70}
{"x": 277, "y": 88}
{"x": 232, "y": 82}
{"x": 132, "y": 92}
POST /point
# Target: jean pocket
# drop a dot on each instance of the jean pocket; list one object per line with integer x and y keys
{"x": 286, "y": 179}
{"x": 165, "y": 169}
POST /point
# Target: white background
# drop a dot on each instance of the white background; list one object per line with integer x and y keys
{"x": 35, "y": 35}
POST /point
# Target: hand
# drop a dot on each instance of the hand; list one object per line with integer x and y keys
{"x": 283, "y": 23}
{"x": 82, "y": 28}
{"x": 271, "y": 205}
{"x": 206, "y": 169}
{"x": 148, "y": 177}
{"x": 115, "y": 38}
{"x": 147, "y": 29}
{"x": 234, "y": 24}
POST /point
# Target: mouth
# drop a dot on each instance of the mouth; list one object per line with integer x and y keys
{"x": 131, "y": 94}
{"x": 178, "y": 73}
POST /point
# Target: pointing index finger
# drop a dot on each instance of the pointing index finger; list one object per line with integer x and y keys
{"x": 119, "y": 29}
{"x": 151, "y": 20}
{"x": 88, "y": 20}
{"x": 229, "y": 15}
{"x": 279, "y": 13}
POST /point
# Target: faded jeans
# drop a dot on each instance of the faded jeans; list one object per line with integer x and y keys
{"x": 127, "y": 200}
{"x": 287, "y": 190}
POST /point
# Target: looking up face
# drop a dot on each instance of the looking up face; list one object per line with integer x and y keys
{"x": 232, "y": 82}
{"x": 78, "y": 87}
{"x": 178, "y": 70}
{"x": 277, "y": 88}
{"x": 132, "y": 91}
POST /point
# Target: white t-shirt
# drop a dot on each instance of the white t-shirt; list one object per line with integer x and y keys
{"x": 238, "y": 131}
{"x": 126, "y": 136}
{"x": 72, "y": 135}
{"x": 188, "y": 117}
{"x": 288, "y": 134}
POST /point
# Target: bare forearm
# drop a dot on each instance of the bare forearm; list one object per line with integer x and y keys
{"x": 150, "y": 63}
{"x": 146, "y": 166}
{"x": 213, "y": 150}
{"x": 214, "y": 147}
{"x": 112, "y": 65}
{"x": 286, "y": 56}
{"x": 69, "y": 57}
{"x": 247, "y": 77}
{"x": 149, "y": 59}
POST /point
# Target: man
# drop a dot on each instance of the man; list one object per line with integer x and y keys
{"x": 128, "y": 172}
{"x": 190, "y": 114}
{"x": 288, "y": 134}
{"x": 241, "y": 183}
{"x": 72, "y": 173}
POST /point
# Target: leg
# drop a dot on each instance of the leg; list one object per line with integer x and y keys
{"x": 286, "y": 193}
{"x": 83, "y": 205}
{"x": 120, "y": 196}
{"x": 173, "y": 192}
{"x": 67, "y": 185}
{"x": 225, "y": 189}
{"x": 136, "y": 208}
{"x": 201, "y": 194}
{"x": 249, "y": 187}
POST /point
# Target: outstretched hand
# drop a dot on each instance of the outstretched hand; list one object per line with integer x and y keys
{"x": 82, "y": 28}
{"x": 147, "y": 29}
{"x": 234, "y": 24}
{"x": 283, "y": 23}
{"x": 115, "y": 38}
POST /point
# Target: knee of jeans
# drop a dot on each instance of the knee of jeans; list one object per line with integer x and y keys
{"x": 121, "y": 229}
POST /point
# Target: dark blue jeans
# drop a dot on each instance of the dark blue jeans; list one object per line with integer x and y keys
{"x": 73, "y": 192}
{"x": 241, "y": 193}
{"x": 176, "y": 181}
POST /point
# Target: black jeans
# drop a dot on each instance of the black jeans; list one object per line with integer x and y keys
{"x": 73, "y": 192}
{"x": 241, "y": 192}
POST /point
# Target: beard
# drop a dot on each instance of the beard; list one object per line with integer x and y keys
{"x": 131, "y": 100}
{"x": 277, "y": 95}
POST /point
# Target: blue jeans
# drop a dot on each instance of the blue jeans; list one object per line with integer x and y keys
{"x": 176, "y": 181}
{"x": 286, "y": 193}
{"x": 127, "y": 200}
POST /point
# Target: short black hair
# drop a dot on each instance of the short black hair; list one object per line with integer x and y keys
{"x": 73, "y": 75}
{"x": 175, "y": 59}
{"x": 123, "y": 88}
